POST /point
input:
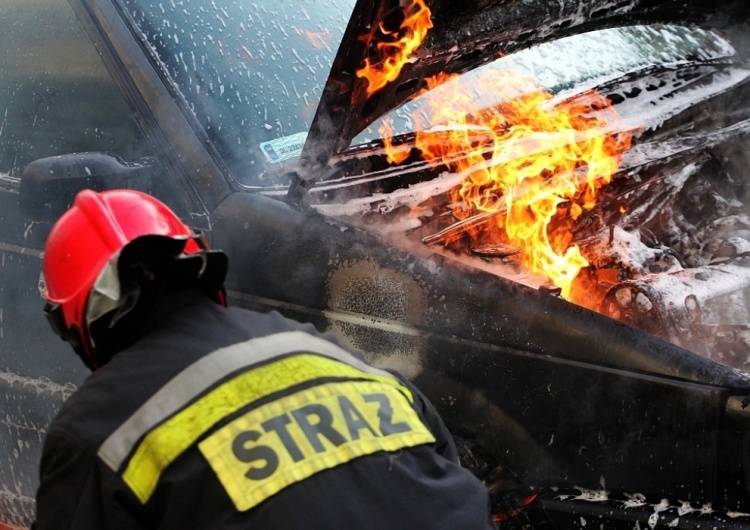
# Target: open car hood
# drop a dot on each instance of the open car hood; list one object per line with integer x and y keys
{"x": 464, "y": 35}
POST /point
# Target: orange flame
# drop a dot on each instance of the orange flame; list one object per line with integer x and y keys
{"x": 536, "y": 164}
{"x": 396, "y": 52}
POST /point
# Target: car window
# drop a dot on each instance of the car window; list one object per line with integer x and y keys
{"x": 571, "y": 63}
{"x": 252, "y": 73}
{"x": 57, "y": 96}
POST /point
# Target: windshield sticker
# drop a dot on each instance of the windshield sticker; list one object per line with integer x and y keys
{"x": 284, "y": 148}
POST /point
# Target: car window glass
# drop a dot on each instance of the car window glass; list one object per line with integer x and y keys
{"x": 57, "y": 96}
{"x": 251, "y": 73}
{"x": 572, "y": 62}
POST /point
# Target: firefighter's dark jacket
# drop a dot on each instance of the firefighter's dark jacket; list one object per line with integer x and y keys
{"x": 226, "y": 419}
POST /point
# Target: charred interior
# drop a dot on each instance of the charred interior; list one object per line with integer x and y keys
{"x": 667, "y": 244}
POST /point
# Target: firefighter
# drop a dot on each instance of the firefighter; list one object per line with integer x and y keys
{"x": 202, "y": 416}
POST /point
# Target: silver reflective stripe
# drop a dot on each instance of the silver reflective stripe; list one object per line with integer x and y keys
{"x": 205, "y": 372}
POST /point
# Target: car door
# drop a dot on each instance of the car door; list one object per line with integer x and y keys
{"x": 56, "y": 98}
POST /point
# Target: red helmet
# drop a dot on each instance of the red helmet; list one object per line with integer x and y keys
{"x": 85, "y": 246}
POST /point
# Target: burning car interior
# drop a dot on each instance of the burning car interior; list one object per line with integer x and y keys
{"x": 537, "y": 211}
{"x": 622, "y": 192}
{"x": 617, "y": 185}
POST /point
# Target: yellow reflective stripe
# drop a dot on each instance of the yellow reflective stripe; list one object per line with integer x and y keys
{"x": 292, "y": 438}
{"x": 162, "y": 445}
{"x": 205, "y": 373}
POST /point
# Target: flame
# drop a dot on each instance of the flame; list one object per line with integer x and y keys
{"x": 395, "y": 155}
{"x": 535, "y": 164}
{"x": 394, "y": 48}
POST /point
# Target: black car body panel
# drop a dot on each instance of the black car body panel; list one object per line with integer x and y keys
{"x": 558, "y": 397}
{"x": 444, "y": 293}
{"x": 568, "y": 399}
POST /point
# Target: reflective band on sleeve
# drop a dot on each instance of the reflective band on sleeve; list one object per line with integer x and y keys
{"x": 206, "y": 372}
{"x": 164, "y": 443}
{"x": 290, "y": 439}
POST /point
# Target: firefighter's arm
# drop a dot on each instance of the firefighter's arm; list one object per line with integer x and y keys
{"x": 71, "y": 493}
{"x": 444, "y": 443}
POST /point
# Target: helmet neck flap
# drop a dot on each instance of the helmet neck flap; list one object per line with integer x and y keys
{"x": 125, "y": 297}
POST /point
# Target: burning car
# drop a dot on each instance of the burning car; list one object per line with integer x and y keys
{"x": 535, "y": 211}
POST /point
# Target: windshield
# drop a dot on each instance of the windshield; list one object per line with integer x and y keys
{"x": 251, "y": 73}
{"x": 571, "y": 63}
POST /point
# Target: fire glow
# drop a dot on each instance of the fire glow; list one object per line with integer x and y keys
{"x": 535, "y": 165}
{"x": 317, "y": 39}
{"x": 532, "y": 165}
{"x": 394, "y": 48}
